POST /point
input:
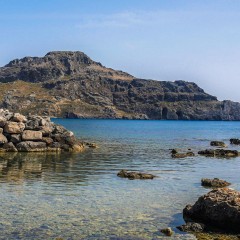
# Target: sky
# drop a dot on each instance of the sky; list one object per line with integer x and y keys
{"x": 193, "y": 40}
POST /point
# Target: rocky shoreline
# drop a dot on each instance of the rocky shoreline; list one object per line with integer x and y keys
{"x": 32, "y": 133}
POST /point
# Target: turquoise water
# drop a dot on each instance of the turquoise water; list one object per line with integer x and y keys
{"x": 79, "y": 196}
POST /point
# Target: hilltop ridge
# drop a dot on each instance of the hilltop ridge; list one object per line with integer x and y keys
{"x": 70, "y": 84}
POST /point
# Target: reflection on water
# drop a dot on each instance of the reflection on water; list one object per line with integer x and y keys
{"x": 79, "y": 196}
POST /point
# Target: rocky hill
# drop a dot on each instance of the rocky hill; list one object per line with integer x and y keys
{"x": 70, "y": 84}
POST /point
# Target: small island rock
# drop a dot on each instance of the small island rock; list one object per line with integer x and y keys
{"x": 235, "y": 141}
{"x": 214, "y": 183}
{"x": 218, "y": 144}
{"x": 135, "y": 175}
{"x": 219, "y": 153}
{"x": 183, "y": 155}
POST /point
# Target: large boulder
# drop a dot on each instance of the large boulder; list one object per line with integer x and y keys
{"x": 30, "y": 146}
{"x": 14, "y": 127}
{"x": 30, "y": 135}
{"x": 219, "y": 208}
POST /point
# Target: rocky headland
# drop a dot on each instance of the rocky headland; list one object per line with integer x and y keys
{"x": 33, "y": 133}
{"x": 71, "y": 85}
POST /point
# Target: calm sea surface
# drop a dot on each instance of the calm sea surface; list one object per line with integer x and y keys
{"x": 79, "y": 196}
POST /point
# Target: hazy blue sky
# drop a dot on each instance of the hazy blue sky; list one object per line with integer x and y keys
{"x": 194, "y": 40}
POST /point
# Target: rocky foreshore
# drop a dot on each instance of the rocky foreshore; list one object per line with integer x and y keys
{"x": 32, "y": 133}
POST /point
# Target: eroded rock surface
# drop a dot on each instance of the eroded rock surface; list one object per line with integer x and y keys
{"x": 219, "y": 208}
{"x": 192, "y": 227}
{"x": 214, "y": 183}
{"x": 34, "y": 134}
{"x": 70, "y": 84}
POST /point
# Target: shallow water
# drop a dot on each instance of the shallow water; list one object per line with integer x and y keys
{"x": 79, "y": 196}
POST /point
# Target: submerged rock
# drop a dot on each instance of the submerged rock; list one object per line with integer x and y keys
{"x": 219, "y": 153}
{"x": 214, "y": 183}
{"x": 91, "y": 145}
{"x": 192, "y": 227}
{"x": 235, "y": 141}
{"x": 182, "y": 155}
{"x": 135, "y": 175}
{"x": 219, "y": 208}
{"x": 34, "y": 134}
{"x": 218, "y": 144}
{"x": 167, "y": 231}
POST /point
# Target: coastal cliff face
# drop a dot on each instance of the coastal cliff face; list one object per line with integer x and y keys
{"x": 70, "y": 84}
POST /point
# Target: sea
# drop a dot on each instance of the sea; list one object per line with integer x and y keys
{"x": 63, "y": 196}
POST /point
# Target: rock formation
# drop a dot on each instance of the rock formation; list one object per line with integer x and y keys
{"x": 33, "y": 133}
{"x": 218, "y": 144}
{"x": 70, "y": 84}
{"x": 214, "y": 183}
{"x": 135, "y": 175}
{"x": 219, "y": 208}
{"x": 219, "y": 153}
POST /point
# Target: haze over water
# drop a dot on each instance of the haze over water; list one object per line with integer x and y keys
{"x": 79, "y": 196}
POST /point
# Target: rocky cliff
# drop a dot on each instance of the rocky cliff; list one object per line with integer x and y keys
{"x": 70, "y": 84}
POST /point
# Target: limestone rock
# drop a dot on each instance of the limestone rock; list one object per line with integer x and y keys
{"x": 77, "y": 148}
{"x": 219, "y": 208}
{"x": 135, "y": 175}
{"x": 47, "y": 140}
{"x": 214, "y": 183}
{"x": 30, "y": 146}
{"x": 3, "y": 139}
{"x": 14, "y": 127}
{"x": 30, "y": 135}
{"x": 17, "y": 117}
{"x": 3, "y": 121}
{"x": 183, "y": 155}
{"x": 38, "y": 134}
{"x": 192, "y": 227}
{"x": 9, "y": 147}
{"x": 167, "y": 231}
{"x": 218, "y": 144}
{"x": 15, "y": 138}
{"x": 219, "y": 153}
{"x": 87, "y": 89}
